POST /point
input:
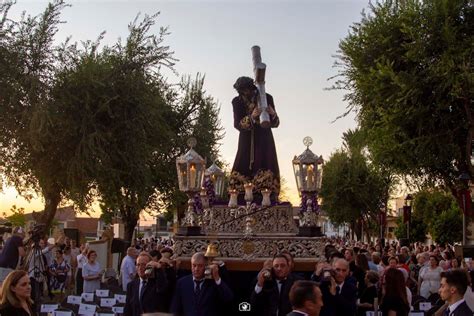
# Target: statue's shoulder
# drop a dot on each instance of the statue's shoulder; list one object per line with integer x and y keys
{"x": 237, "y": 100}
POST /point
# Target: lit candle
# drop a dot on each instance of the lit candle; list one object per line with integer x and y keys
{"x": 192, "y": 177}
{"x": 248, "y": 192}
{"x": 233, "y": 198}
{"x": 204, "y": 198}
{"x": 266, "y": 197}
{"x": 310, "y": 177}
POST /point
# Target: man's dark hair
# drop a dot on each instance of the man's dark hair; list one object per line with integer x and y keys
{"x": 280, "y": 255}
{"x": 457, "y": 278}
{"x": 155, "y": 253}
{"x": 286, "y": 252}
{"x": 336, "y": 254}
{"x": 302, "y": 291}
{"x": 355, "y": 250}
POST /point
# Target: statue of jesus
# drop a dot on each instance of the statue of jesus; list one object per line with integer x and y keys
{"x": 256, "y": 158}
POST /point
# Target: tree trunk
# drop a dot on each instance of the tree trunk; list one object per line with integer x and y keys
{"x": 130, "y": 219}
{"x": 52, "y": 197}
{"x": 358, "y": 229}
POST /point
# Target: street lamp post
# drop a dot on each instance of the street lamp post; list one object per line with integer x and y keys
{"x": 407, "y": 213}
{"x": 464, "y": 178}
{"x": 382, "y": 220}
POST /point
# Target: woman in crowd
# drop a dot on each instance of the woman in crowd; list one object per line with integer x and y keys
{"x": 370, "y": 293}
{"x": 394, "y": 295}
{"x": 16, "y": 295}
{"x": 91, "y": 273}
{"x": 361, "y": 268}
{"x": 59, "y": 271}
{"x": 430, "y": 278}
{"x": 455, "y": 263}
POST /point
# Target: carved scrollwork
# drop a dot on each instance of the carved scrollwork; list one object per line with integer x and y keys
{"x": 274, "y": 220}
{"x": 252, "y": 248}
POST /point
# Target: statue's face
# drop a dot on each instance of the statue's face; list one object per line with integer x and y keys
{"x": 248, "y": 93}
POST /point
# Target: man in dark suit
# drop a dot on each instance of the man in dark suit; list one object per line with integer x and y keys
{"x": 196, "y": 295}
{"x": 306, "y": 299}
{"x": 453, "y": 287}
{"x": 339, "y": 292}
{"x": 270, "y": 296}
{"x": 148, "y": 293}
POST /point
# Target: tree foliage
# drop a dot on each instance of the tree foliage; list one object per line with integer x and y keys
{"x": 408, "y": 67}
{"x": 28, "y": 59}
{"x": 91, "y": 122}
{"x": 16, "y": 217}
{"x": 429, "y": 204}
{"x": 353, "y": 189}
{"x": 447, "y": 227}
{"x": 435, "y": 212}
{"x": 418, "y": 229}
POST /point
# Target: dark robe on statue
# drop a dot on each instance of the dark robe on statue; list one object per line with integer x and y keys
{"x": 256, "y": 158}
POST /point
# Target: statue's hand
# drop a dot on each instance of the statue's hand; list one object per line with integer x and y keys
{"x": 271, "y": 111}
{"x": 256, "y": 113}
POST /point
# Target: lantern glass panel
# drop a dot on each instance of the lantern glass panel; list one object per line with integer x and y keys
{"x": 219, "y": 185}
{"x": 319, "y": 179}
{"x": 183, "y": 177}
{"x": 199, "y": 176}
{"x": 297, "y": 171}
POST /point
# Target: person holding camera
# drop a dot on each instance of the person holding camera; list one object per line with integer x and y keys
{"x": 270, "y": 296}
{"x": 339, "y": 290}
{"x": 200, "y": 293}
{"x": 149, "y": 291}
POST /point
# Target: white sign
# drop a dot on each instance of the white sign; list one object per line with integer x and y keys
{"x": 62, "y": 313}
{"x": 102, "y": 293}
{"x": 87, "y": 309}
{"x": 425, "y": 306}
{"x": 120, "y": 298}
{"x": 73, "y": 299}
{"x": 48, "y": 308}
{"x": 88, "y": 297}
{"x": 117, "y": 309}
{"x": 107, "y": 302}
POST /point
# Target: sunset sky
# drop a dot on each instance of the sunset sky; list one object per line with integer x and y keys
{"x": 298, "y": 41}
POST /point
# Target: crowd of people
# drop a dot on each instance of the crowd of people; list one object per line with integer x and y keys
{"x": 352, "y": 279}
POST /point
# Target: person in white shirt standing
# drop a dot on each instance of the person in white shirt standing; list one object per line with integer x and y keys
{"x": 128, "y": 268}
{"x": 81, "y": 260}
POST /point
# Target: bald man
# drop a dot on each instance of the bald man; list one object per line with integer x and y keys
{"x": 128, "y": 268}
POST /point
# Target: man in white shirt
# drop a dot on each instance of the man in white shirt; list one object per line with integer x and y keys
{"x": 128, "y": 268}
{"x": 453, "y": 286}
